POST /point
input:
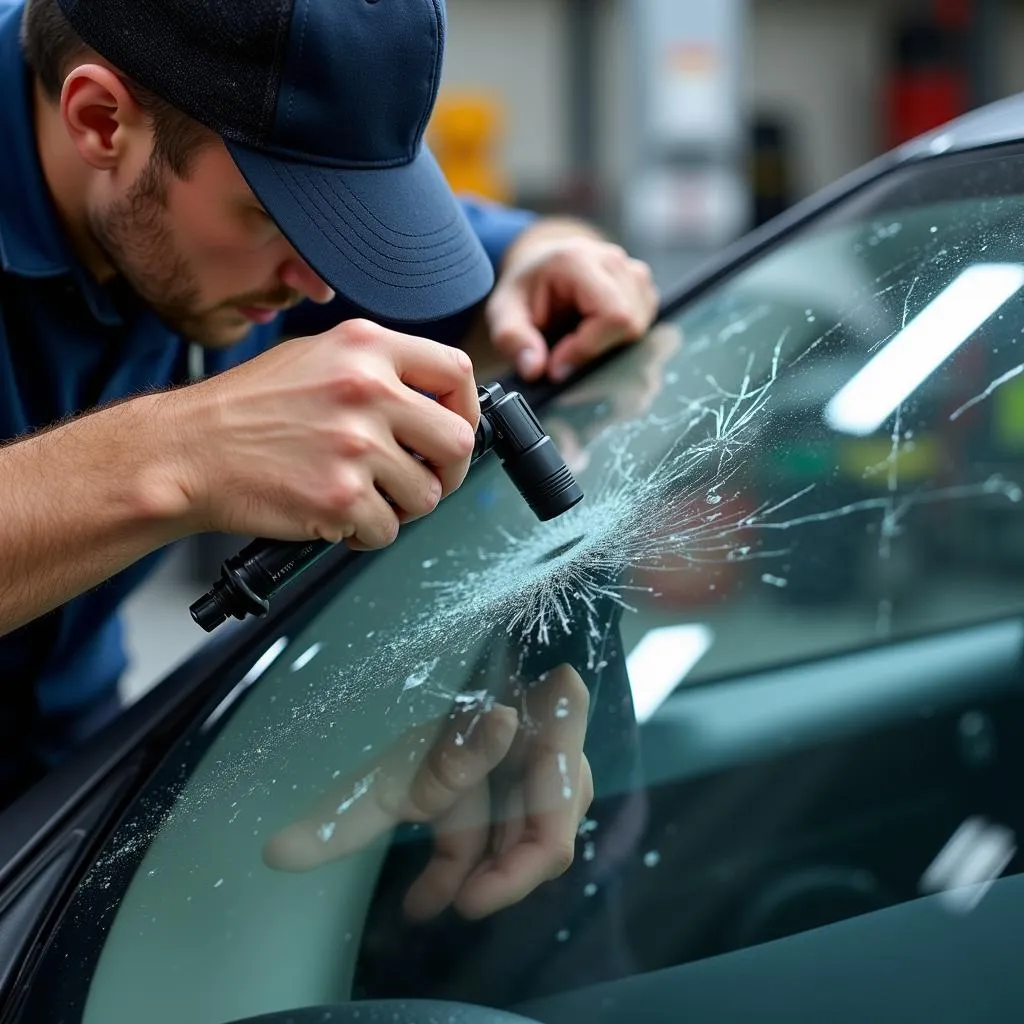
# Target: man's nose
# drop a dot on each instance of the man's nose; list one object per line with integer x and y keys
{"x": 299, "y": 276}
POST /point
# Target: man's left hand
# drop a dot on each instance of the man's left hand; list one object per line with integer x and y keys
{"x": 555, "y": 270}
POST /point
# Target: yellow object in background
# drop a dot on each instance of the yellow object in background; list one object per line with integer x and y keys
{"x": 465, "y": 134}
{"x": 871, "y": 459}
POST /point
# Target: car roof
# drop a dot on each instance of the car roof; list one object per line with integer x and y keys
{"x": 997, "y": 123}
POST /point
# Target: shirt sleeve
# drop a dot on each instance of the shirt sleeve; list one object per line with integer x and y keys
{"x": 495, "y": 225}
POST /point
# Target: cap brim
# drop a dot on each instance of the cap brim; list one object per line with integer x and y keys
{"x": 394, "y": 242}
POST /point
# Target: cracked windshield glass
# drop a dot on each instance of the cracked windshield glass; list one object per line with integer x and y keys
{"x": 818, "y": 453}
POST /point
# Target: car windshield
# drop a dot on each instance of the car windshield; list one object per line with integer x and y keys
{"x": 774, "y": 627}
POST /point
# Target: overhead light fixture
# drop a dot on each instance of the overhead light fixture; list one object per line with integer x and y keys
{"x": 661, "y": 661}
{"x": 918, "y": 350}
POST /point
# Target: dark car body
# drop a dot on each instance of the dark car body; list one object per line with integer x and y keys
{"x": 815, "y": 796}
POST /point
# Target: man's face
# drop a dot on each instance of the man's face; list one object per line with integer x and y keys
{"x": 201, "y": 252}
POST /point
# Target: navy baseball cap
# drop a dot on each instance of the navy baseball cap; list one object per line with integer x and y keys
{"x": 322, "y": 105}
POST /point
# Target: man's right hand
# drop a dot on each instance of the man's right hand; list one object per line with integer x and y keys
{"x": 315, "y": 438}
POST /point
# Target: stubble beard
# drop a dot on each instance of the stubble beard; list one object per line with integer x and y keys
{"x": 136, "y": 238}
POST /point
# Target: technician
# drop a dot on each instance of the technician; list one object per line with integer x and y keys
{"x": 177, "y": 174}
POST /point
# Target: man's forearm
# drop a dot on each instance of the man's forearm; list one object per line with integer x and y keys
{"x": 80, "y": 502}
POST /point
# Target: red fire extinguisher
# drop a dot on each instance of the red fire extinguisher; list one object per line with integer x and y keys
{"x": 928, "y": 83}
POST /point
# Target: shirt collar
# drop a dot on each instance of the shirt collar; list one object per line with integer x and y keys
{"x": 32, "y": 239}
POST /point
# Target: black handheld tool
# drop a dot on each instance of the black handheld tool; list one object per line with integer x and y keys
{"x": 508, "y": 427}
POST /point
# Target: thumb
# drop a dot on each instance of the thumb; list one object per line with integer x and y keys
{"x": 515, "y": 335}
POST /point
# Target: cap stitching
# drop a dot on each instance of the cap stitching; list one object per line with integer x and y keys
{"x": 318, "y": 160}
{"x": 361, "y": 267}
{"x": 368, "y": 242}
{"x": 436, "y": 250}
{"x": 302, "y": 43}
{"x": 455, "y": 257}
{"x": 435, "y": 77}
{"x": 450, "y": 230}
{"x": 290, "y": 153}
{"x": 402, "y": 234}
{"x": 451, "y": 227}
{"x": 384, "y": 255}
{"x": 280, "y": 46}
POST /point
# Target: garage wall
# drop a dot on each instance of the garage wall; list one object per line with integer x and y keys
{"x": 816, "y": 57}
{"x": 806, "y": 59}
{"x": 818, "y": 65}
{"x": 516, "y": 49}
{"x": 1011, "y": 59}
{"x": 817, "y": 62}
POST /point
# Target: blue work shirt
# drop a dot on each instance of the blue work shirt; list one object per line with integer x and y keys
{"x": 68, "y": 344}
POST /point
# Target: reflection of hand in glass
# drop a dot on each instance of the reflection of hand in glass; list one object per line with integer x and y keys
{"x": 627, "y": 396}
{"x": 505, "y": 795}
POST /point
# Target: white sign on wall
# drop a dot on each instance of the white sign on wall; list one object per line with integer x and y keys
{"x": 689, "y": 189}
{"x": 690, "y": 56}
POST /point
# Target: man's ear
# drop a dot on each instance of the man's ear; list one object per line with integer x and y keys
{"x": 103, "y": 118}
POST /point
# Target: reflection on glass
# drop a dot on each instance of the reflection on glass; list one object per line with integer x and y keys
{"x": 504, "y": 786}
{"x": 922, "y": 346}
{"x": 661, "y": 661}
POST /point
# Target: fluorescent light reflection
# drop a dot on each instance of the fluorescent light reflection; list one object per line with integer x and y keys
{"x": 306, "y": 657}
{"x": 265, "y": 660}
{"x": 661, "y": 661}
{"x": 914, "y": 354}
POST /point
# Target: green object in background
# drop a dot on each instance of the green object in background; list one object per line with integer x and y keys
{"x": 1008, "y": 416}
{"x": 811, "y": 460}
{"x": 865, "y": 460}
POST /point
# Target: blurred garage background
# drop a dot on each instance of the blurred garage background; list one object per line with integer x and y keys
{"x": 676, "y": 125}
